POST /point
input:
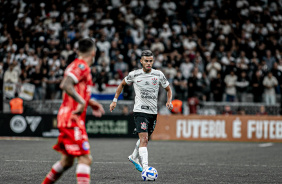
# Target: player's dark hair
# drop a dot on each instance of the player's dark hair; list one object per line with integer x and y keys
{"x": 146, "y": 53}
{"x": 85, "y": 45}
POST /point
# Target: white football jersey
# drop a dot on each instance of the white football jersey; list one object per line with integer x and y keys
{"x": 146, "y": 87}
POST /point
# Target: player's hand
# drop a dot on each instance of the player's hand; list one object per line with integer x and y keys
{"x": 113, "y": 106}
{"x": 169, "y": 105}
{"x": 97, "y": 108}
{"x": 79, "y": 109}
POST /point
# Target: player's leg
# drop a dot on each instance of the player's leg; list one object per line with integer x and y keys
{"x": 134, "y": 157}
{"x": 141, "y": 126}
{"x": 144, "y": 139}
{"x": 135, "y": 153}
{"x": 143, "y": 151}
{"x": 58, "y": 168}
{"x": 83, "y": 169}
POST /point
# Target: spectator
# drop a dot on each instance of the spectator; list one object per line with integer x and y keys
{"x": 115, "y": 81}
{"x": 54, "y": 62}
{"x": 120, "y": 65}
{"x": 230, "y": 82}
{"x": 153, "y": 4}
{"x": 257, "y": 86}
{"x": 213, "y": 68}
{"x": 217, "y": 88}
{"x": 269, "y": 59}
{"x": 242, "y": 85}
{"x": 169, "y": 7}
{"x": 241, "y": 111}
{"x": 66, "y": 52}
{"x": 254, "y": 63}
{"x": 102, "y": 79}
{"x": 165, "y": 33}
{"x": 170, "y": 71}
{"x": 278, "y": 75}
{"x": 195, "y": 84}
{"x": 16, "y": 105}
{"x": 193, "y": 103}
{"x": 227, "y": 60}
{"x": 206, "y": 87}
{"x": 270, "y": 82}
{"x": 262, "y": 111}
{"x": 180, "y": 85}
{"x": 186, "y": 67}
{"x": 242, "y": 59}
{"x": 177, "y": 106}
{"x": 125, "y": 110}
{"x": 21, "y": 55}
{"x": 37, "y": 79}
{"x": 188, "y": 43}
{"x": 199, "y": 63}
{"x": 104, "y": 45}
{"x": 227, "y": 110}
{"x": 104, "y": 60}
{"x": 157, "y": 45}
{"x": 11, "y": 75}
{"x": 53, "y": 80}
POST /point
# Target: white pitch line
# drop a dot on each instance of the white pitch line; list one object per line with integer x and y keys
{"x": 21, "y": 138}
{"x": 264, "y": 145}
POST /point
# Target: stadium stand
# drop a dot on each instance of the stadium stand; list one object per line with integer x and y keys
{"x": 219, "y": 51}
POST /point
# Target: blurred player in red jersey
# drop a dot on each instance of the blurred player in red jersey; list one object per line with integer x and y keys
{"x": 73, "y": 139}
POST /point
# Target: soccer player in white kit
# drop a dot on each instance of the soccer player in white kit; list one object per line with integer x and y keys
{"x": 146, "y": 82}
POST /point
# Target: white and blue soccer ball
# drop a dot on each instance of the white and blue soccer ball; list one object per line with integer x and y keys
{"x": 149, "y": 174}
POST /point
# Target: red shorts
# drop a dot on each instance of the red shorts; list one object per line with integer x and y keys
{"x": 73, "y": 141}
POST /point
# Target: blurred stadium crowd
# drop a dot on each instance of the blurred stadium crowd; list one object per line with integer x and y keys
{"x": 215, "y": 50}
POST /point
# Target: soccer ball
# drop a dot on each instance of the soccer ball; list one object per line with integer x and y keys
{"x": 149, "y": 174}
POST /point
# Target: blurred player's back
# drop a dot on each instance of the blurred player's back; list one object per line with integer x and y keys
{"x": 80, "y": 72}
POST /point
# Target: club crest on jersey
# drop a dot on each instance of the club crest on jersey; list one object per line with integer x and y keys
{"x": 154, "y": 81}
{"x": 143, "y": 126}
{"x": 81, "y": 66}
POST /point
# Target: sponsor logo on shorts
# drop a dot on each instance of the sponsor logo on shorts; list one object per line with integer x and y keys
{"x": 145, "y": 107}
{"x": 85, "y": 145}
{"x": 143, "y": 126}
{"x": 77, "y": 134}
{"x": 72, "y": 147}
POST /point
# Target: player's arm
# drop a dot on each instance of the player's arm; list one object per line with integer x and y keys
{"x": 169, "y": 98}
{"x": 97, "y": 108}
{"x": 67, "y": 85}
{"x": 118, "y": 92}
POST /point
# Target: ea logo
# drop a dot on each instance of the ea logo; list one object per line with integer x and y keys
{"x": 18, "y": 124}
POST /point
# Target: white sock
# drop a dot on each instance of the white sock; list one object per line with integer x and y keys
{"x": 135, "y": 153}
{"x": 83, "y": 174}
{"x": 143, "y": 152}
{"x": 58, "y": 167}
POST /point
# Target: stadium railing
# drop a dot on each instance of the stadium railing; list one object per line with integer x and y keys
{"x": 206, "y": 108}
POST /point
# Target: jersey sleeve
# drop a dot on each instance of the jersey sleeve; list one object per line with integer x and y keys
{"x": 129, "y": 79}
{"x": 163, "y": 81}
{"x": 77, "y": 72}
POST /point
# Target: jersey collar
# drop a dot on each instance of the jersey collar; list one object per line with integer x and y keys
{"x": 145, "y": 72}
